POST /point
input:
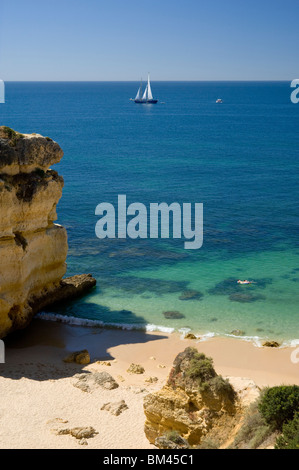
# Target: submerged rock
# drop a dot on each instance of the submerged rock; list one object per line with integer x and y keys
{"x": 245, "y": 297}
{"x": 173, "y": 315}
{"x": 230, "y": 286}
{"x": 191, "y": 295}
{"x": 138, "y": 285}
{"x": 237, "y": 332}
{"x": 225, "y": 287}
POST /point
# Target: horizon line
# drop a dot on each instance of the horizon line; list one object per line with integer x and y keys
{"x": 121, "y": 81}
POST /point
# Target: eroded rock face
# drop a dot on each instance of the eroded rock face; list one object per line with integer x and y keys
{"x": 194, "y": 402}
{"x": 32, "y": 248}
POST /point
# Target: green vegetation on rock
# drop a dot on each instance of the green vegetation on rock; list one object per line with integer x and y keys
{"x": 290, "y": 435}
{"x": 273, "y": 413}
{"x": 12, "y": 135}
{"x": 201, "y": 369}
{"x": 278, "y": 405}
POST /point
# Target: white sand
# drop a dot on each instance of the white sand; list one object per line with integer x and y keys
{"x": 36, "y": 386}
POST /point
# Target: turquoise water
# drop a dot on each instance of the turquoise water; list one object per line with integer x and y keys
{"x": 240, "y": 159}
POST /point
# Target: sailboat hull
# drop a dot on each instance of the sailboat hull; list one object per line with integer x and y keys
{"x": 146, "y": 101}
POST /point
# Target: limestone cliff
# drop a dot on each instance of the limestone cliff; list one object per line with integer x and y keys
{"x": 196, "y": 404}
{"x": 32, "y": 248}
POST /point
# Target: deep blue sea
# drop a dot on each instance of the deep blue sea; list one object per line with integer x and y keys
{"x": 239, "y": 158}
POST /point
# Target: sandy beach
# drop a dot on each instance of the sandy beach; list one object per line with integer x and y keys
{"x": 38, "y": 395}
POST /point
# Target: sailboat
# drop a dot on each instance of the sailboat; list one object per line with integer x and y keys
{"x": 146, "y": 97}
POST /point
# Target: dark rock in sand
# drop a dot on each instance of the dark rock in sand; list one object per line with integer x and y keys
{"x": 173, "y": 315}
{"x": 271, "y": 344}
{"x": 191, "y": 295}
{"x": 136, "y": 369}
{"x": 88, "y": 381}
{"x": 115, "y": 408}
{"x": 79, "y": 432}
{"x": 79, "y": 357}
{"x": 190, "y": 336}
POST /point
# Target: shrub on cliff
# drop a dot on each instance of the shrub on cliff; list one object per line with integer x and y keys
{"x": 194, "y": 368}
{"x": 290, "y": 435}
{"x": 12, "y": 135}
{"x": 254, "y": 430}
{"x": 278, "y": 405}
{"x": 201, "y": 368}
{"x": 221, "y": 386}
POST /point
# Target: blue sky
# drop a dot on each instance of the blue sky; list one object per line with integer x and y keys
{"x": 173, "y": 39}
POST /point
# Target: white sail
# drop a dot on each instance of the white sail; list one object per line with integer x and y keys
{"x": 145, "y": 94}
{"x": 149, "y": 91}
{"x": 137, "y": 97}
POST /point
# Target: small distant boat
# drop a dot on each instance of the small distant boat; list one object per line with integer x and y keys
{"x": 146, "y": 97}
{"x": 219, "y": 100}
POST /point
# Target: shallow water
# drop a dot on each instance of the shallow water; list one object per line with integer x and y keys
{"x": 240, "y": 159}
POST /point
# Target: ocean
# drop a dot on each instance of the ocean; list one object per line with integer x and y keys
{"x": 238, "y": 158}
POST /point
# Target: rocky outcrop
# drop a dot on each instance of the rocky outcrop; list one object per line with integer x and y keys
{"x": 33, "y": 249}
{"x": 68, "y": 289}
{"x": 195, "y": 402}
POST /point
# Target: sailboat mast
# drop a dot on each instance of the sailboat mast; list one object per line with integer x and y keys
{"x": 147, "y": 96}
